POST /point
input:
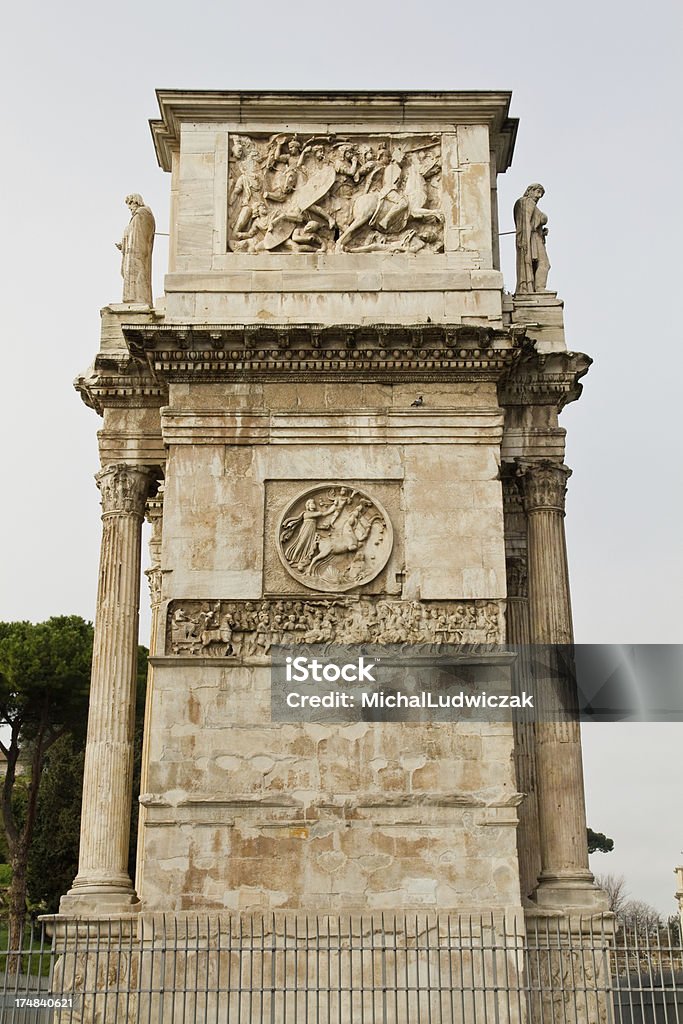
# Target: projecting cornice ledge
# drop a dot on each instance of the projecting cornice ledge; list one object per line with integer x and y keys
{"x": 315, "y": 352}
{"x": 334, "y": 110}
{"x": 116, "y": 381}
{"x": 544, "y": 379}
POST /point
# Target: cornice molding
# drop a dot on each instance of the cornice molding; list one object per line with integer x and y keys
{"x": 544, "y": 379}
{"x": 405, "y": 110}
{"x": 371, "y": 426}
{"x": 307, "y": 352}
{"x": 115, "y": 382}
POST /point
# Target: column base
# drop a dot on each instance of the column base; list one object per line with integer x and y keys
{"x": 99, "y": 904}
{"x": 571, "y": 892}
{"x": 92, "y": 898}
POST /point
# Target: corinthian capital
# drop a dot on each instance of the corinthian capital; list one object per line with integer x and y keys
{"x": 544, "y": 484}
{"x": 124, "y": 488}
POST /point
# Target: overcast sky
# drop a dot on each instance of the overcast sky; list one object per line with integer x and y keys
{"x": 597, "y": 89}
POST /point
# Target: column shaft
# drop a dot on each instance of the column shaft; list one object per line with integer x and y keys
{"x": 154, "y": 516}
{"x": 565, "y": 878}
{"x": 528, "y": 835}
{"x": 107, "y": 780}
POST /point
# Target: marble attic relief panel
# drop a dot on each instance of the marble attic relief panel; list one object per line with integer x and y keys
{"x": 248, "y": 629}
{"x": 334, "y": 538}
{"x": 292, "y": 193}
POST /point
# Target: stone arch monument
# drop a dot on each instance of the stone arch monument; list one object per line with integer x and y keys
{"x": 342, "y": 428}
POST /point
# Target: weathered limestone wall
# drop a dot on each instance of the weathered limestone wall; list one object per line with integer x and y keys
{"x": 315, "y": 817}
{"x": 243, "y": 814}
{"x": 438, "y": 465}
{"x": 209, "y": 282}
{"x": 334, "y": 362}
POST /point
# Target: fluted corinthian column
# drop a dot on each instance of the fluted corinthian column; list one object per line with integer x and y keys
{"x": 518, "y": 634}
{"x": 102, "y": 883}
{"x": 565, "y": 880}
{"x": 154, "y": 513}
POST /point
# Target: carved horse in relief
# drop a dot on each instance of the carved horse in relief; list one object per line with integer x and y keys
{"x": 390, "y": 209}
{"x": 349, "y": 536}
{"x": 215, "y": 633}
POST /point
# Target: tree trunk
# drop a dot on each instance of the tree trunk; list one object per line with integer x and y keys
{"x": 17, "y": 908}
{"x": 19, "y": 847}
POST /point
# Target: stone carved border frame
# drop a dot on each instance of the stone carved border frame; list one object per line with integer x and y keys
{"x": 257, "y": 161}
{"x": 311, "y": 492}
{"x": 280, "y": 493}
{"x": 242, "y": 630}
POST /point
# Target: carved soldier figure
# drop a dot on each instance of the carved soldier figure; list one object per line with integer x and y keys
{"x": 530, "y": 229}
{"x": 287, "y": 194}
{"x": 252, "y": 221}
{"x": 136, "y": 252}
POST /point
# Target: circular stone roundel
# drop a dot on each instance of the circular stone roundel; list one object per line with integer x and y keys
{"x": 334, "y": 538}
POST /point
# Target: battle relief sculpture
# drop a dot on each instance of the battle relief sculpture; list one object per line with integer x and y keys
{"x": 248, "y": 629}
{"x": 297, "y": 194}
{"x": 334, "y": 538}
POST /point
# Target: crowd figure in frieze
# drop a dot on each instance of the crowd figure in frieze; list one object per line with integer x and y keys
{"x": 289, "y": 193}
{"x": 248, "y": 629}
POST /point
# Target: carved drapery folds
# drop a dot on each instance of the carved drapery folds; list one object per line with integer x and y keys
{"x": 533, "y": 264}
{"x": 325, "y": 193}
{"x": 517, "y": 580}
{"x": 136, "y": 252}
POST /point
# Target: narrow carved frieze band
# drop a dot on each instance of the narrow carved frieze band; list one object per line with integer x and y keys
{"x": 290, "y": 193}
{"x": 124, "y": 488}
{"x": 242, "y": 629}
{"x": 154, "y": 514}
{"x": 517, "y": 576}
{"x": 512, "y": 495}
{"x": 154, "y": 579}
{"x": 544, "y": 485}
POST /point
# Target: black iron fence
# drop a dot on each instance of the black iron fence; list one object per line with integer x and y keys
{"x": 375, "y": 969}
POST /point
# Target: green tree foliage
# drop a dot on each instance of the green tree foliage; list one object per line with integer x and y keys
{"x": 599, "y": 842}
{"x": 53, "y": 856}
{"x": 44, "y": 683}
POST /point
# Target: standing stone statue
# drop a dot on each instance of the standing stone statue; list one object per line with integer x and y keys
{"x": 136, "y": 252}
{"x": 530, "y": 228}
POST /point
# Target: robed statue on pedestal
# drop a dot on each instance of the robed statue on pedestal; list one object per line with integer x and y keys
{"x": 136, "y": 252}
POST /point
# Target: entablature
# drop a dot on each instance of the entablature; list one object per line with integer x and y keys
{"x": 115, "y": 381}
{"x": 325, "y": 110}
{"x": 544, "y": 378}
{"x": 389, "y": 353}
